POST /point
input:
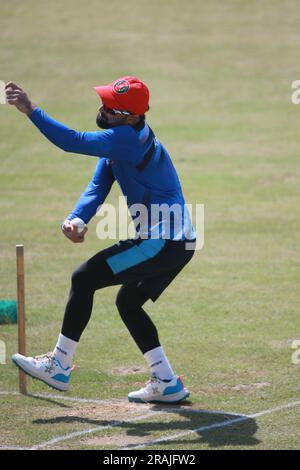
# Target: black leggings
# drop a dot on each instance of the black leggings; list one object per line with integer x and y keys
{"x": 95, "y": 274}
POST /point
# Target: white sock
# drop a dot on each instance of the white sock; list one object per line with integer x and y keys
{"x": 159, "y": 364}
{"x": 64, "y": 350}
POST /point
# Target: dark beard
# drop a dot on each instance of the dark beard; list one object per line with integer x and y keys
{"x": 102, "y": 122}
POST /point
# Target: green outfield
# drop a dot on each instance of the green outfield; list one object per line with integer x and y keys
{"x": 220, "y": 76}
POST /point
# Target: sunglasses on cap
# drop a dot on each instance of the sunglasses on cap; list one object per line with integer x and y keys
{"x": 115, "y": 111}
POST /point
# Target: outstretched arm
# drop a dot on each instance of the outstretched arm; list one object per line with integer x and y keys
{"x": 86, "y": 143}
{"x": 91, "y": 199}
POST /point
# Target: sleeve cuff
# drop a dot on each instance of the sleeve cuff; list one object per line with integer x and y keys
{"x": 34, "y": 113}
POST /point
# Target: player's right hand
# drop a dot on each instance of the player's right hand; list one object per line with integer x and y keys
{"x": 17, "y": 97}
{"x": 71, "y": 231}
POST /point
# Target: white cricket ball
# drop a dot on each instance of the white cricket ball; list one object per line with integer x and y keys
{"x": 79, "y": 224}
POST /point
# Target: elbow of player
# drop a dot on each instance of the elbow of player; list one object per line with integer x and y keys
{"x": 66, "y": 147}
{"x": 70, "y": 142}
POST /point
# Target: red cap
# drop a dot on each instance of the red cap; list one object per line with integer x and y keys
{"x": 126, "y": 94}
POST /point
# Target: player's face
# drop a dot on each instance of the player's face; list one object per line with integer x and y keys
{"x": 107, "y": 119}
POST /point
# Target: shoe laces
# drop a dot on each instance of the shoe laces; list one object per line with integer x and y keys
{"x": 152, "y": 382}
{"x": 153, "y": 379}
{"x": 50, "y": 358}
{"x": 45, "y": 357}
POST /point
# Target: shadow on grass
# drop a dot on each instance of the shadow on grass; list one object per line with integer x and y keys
{"x": 49, "y": 400}
{"x": 189, "y": 426}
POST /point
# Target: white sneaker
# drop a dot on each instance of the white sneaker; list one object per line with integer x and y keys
{"x": 46, "y": 368}
{"x": 157, "y": 390}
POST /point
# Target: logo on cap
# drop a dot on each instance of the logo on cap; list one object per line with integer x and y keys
{"x": 122, "y": 86}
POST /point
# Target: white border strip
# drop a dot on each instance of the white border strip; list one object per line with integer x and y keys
{"x": 223, "y": 424}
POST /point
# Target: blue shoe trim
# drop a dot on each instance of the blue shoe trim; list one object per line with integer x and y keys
{"x": 161, "y": 402}
{"x": 135, "y": 400}
{"x": 171, "y": 402}
{"x": 61, "y": 378}
{"x": 175, "y": 389}
{"x": 65, "y": 369}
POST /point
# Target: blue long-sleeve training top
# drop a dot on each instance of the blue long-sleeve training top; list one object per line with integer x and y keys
{"x": 140, "y": 164}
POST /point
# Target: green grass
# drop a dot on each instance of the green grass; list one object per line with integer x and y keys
{"x": 220, "y": 77}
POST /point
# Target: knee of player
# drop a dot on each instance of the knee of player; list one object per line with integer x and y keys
{"x": 80, "y": 279}
{"x": 121, "y": 301}
{"x": 130, "y": 298}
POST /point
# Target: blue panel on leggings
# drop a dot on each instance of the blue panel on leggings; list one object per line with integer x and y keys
{"x": 135, "y": 255}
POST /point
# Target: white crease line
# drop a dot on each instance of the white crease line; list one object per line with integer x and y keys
{"x": 67, "y": 398}
{"x": 58, "y": 397}
{"x": 185, "y": 409}
{"x": 213, "y": 426}
{"x": 163, "y": 439}
{"x": 72, "y": 435}
{"x": 114, "y": 424}
{"x": 100, "y": 428}
{"x": 13, "y": 448}
{"x": 197, "y": 411}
